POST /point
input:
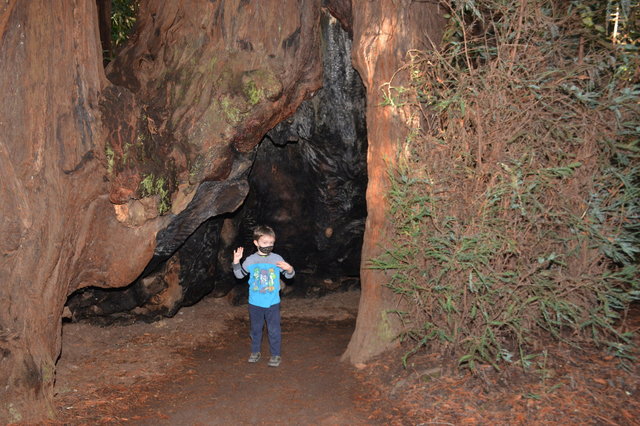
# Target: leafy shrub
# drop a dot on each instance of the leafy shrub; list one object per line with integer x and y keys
{"x": 516, "y": 202}
{"x": 123, "y": 19}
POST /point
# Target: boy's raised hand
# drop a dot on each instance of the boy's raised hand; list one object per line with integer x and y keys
{"x": 284, "y": 266}
{"x": 237, "y": 254}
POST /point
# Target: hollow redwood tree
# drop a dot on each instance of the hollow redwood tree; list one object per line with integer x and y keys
{"x": 93, "y": 167}
{"x": 96, "y": 164}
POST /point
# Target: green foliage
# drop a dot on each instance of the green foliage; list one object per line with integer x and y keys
{"x": 123, "y": 18}
{"x": 151, "y": 186}
{"x": 253, "y": 93}
{"x": 141, "y": 154}
{"x": 231, "y": 112}
{"x": 516, "y": 211}
{"x": 393, "y": 96}
{"x": 110, "y": 155}
{"x": 14, "y": 413}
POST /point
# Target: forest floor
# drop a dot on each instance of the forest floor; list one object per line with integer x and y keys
{"x": 192, "y": 370}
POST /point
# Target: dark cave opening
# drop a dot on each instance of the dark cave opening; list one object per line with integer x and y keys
{"x": 307, "y": 181}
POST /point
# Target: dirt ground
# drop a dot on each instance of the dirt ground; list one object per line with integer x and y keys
{"x": 192, "y": 370}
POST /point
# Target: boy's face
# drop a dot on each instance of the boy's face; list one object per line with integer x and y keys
{"x": 264, "y": 244}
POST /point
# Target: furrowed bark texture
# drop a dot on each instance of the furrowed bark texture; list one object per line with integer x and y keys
{"x": 383, "y": 32}
{"x": 53, "y": 207}
{"x": 200, "y": 83}
{"x": 102, "y": 176}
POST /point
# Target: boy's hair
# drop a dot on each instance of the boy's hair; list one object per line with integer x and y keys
{"x": 263, "y": 230}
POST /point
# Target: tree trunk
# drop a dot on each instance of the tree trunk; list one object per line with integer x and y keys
{"x": 200, "y": 83}
{"x": 92, "y": 171}
{"x": 383, "y": 32}
{"x": 51, "y": 75}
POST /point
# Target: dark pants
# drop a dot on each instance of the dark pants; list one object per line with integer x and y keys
{"x": 258, "y": 316}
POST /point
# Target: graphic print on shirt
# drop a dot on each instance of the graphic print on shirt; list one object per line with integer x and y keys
{"x": 264, "y": 280}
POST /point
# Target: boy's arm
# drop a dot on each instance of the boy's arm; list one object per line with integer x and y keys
{"x": 286, "y": 268}
{"x": 289, "y": 274}
{"x": 238, "y": 270}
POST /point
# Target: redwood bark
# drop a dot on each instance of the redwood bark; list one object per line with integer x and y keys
{"x": 205, "y": 80}
{"x": 383, "y": 32}
{"x": 199, "y": 83}
{"x": 50, "y": 77}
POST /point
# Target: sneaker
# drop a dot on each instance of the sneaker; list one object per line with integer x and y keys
{"x": 254, "y": 357}
{"x": 274, "y": 361}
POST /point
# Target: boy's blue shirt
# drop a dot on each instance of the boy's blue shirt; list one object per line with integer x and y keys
{"x": 264, "y": 278}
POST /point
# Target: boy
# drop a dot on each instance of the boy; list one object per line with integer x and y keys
{"x": 263, "y": 268}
